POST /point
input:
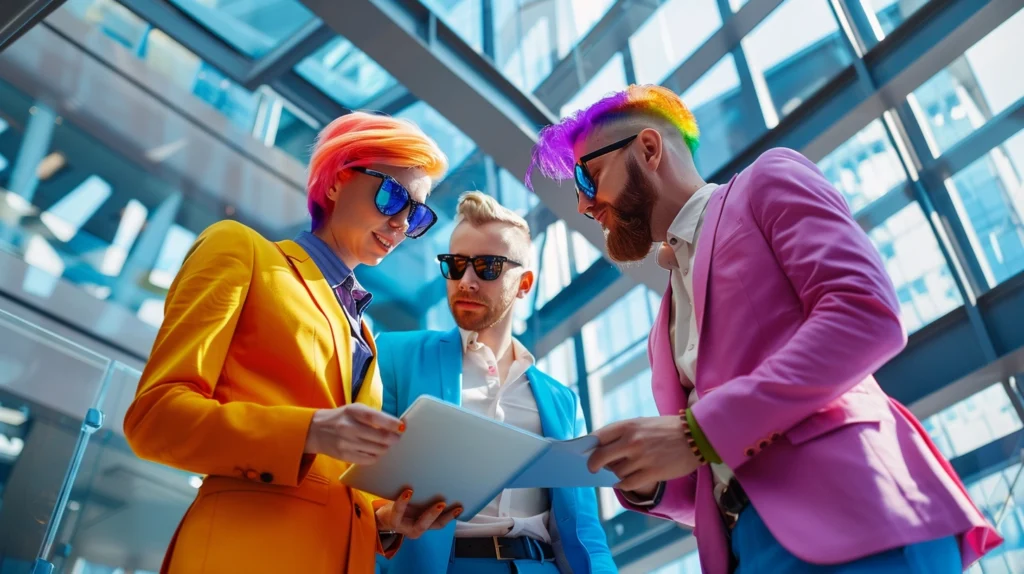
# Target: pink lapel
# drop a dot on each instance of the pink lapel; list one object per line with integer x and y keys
{"x": 705, "y": 245}
{"x": 669, "y": 394}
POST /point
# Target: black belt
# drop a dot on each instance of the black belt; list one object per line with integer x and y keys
{"x": 732, "y": 502}
{"x": 500, "y": 548}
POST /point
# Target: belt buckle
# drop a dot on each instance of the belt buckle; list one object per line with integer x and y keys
{"x": 497, "y": 550}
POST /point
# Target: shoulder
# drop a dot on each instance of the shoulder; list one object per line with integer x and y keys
{"x": 779, "y": 164}
{"x": 407, "y": 338}
{"x": 782, "y": 176}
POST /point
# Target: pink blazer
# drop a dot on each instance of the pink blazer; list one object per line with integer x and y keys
{"x": 795, "y": 312}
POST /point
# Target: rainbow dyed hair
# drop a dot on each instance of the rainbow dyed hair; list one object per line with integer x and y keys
{"x": 553, "y": 154}
{"x": 360, "y": 139}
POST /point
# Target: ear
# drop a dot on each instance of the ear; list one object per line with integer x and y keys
{"x": 526, "y": 281}
{"x": 651, "y": 146}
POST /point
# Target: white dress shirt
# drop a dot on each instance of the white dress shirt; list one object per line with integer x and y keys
{"x": 519, "y": 512}
{"x": 682, "y": 239}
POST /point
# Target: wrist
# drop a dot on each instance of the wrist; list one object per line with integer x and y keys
{"x": 312, "y": 445}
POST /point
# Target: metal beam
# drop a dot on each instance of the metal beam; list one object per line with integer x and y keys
{"x": 926, "y": 43}
{"x": 433, "y": 62}
{"x": 976, "y": 145}
{"x": 189, "y": 33}
{"x": 390, "y": 101}
{"x": 18, "y": 17}
{"x": 593, "y": 51}
{"x": 308, "y": 98}
{"x": 288, "y": 54}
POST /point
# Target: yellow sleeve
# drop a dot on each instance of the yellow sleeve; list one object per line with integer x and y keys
{"x": 174, "y": 420}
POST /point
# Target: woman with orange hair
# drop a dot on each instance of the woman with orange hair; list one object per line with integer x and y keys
{"x": 263, "y": 376}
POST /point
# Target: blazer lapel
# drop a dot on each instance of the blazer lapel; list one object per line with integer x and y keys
{"x": 705, "y": 247}
{"x": 449, "y": 371}
{"x": 669, "y": 394}
{"x": 327, "y": 302}
{"x": 550, "y": 425}
{"x": 371, "y": 393}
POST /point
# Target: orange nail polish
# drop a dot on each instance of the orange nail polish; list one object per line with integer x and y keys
{"x": 407, "y": 495}
{"x": 440, "y": 506}
{"x": 457, "y": 513}
{"x": 401, "y": 427}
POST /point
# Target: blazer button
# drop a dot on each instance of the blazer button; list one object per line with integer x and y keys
{"x": 775, "y": 436}
{"x": 359, "y": 511}
{"x": 251, "y": 474}
{"x": 267, "y": 477}
{"x": 749, "y": 452}
{"x": 763, "y": 444}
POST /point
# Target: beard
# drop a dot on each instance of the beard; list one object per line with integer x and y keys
{"x": 628, "y": 236}
{"x": 480, "y": 319}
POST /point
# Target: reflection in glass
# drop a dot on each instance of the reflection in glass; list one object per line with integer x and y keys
{"x": 553, "y": 263}
{"x": 611, "y": 78}
{"x": 973, "y": 422}
{"x": 252, "y": 28}
{"x": 465, "y": 17}
{"x": 972, "y": 90}
{"x": 887, "y": 15}
{"x": 795, "y": 51}
{"x": 658, "y": 47}
{"x": 728, "y": 115}
{"x": 165, "y": 55}
{"x": 627, "y": 321}
{"x": 989, "y": 199}
{"x": 865, "y": 167}
{"x": 994, "y": 498}
{"x": 560, "y": 363}
{"x": 345, "y": 73}
{"x": 924, "y": 285}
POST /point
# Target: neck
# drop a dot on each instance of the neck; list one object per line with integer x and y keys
{"x": 671, "y": 202}
{"x": 325, "y": 233}
{"x": 498, "y": 338}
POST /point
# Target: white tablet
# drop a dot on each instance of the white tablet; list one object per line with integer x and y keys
{"x": 451, "y": 454}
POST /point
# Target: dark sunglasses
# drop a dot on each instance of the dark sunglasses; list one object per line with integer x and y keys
{"x": 392, "y": 197}
{"x": 486, "y": 267}
{"x": 585, "y": 181}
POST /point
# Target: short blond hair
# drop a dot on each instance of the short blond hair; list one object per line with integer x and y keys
{"x": 478, "y": 209}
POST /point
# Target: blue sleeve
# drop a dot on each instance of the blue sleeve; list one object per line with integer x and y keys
{"x": 588, "y": 519}
{"x": 386, "y": 349}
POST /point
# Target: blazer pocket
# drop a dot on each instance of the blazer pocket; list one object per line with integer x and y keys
{"x": 314, "y": 488}
{"x": 854, "y": 407}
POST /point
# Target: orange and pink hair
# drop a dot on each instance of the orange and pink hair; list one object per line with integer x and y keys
{"x": 360, "y": 139}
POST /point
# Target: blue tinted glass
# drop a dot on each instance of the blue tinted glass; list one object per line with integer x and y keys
{"x": 420, "y": 219}
{"x": 252, "y": 28}
{"x": 584, "y": 183}
{"x": 391, "y": 198}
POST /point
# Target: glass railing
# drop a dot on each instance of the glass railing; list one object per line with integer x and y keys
{"x": 72, "y": 495}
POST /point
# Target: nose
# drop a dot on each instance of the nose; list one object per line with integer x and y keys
{"x": 583, "y": 204}
{"x": 399, "y": 221}
{"x": 469, "y": 281}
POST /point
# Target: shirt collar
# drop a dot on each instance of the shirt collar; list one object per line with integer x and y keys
{"x": 684, "y": 226}
{"x": 470, "y": 342}
{"x": 334, "y": 269}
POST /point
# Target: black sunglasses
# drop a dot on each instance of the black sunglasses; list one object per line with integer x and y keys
{"x": 392, "y": 197}
{"x": 585, "y": 181}
{"x": 486, "y": 267}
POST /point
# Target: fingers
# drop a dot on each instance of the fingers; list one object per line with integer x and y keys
{"x": 425, "y": 520}
{"x": 377, "y": 419}
{"x": 605, "y": 455}
{"x": 401, "y": 506}
{"x": 637, "y": 480}
{"x": 375, "y": 436}
{"x": 610, "y": 433}
{"x": 452, "y": 513}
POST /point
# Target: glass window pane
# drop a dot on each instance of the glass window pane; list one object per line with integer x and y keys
{"x": 560, "y": 363}
{"x": 452, "y": 141}
{"x": 728, "y": 115}
{"x": 295, "y": 135}
{"x": 465, "y": 17}
{"x": 611, "y": 78}
{"x": 554, "y": 268}
{"x": 584, "y": 253}
{"x": 990, "y": 202}
{"x": 865, "y": 167}
{"x": 514, "y": 194}
{"x": 576, "y": 18}
{"x": 345, "y": 73}
{"x": 972, "y": 90}
{"x": 983, "y": 417}
{"x": 887, "y": 15}
{"x": 616, "y": 329}
{"x": 911, "y": 254}
{"x": 254, "y": 28}
{"x": 792, "y": 54}
{"x": 657, "y": 47}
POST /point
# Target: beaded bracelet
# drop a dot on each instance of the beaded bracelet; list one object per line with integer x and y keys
{"x": 689, "y": 438}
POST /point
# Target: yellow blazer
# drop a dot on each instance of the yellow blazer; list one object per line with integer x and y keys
{"x": 253, "y": 342}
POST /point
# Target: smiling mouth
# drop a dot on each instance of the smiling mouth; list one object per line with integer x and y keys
{"x": 384, "y": 243}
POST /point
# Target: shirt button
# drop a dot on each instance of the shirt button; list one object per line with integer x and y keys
{"x": 690, "y": 348}
{"x": 686, "y": 271}
{"x": 673, "y": 241}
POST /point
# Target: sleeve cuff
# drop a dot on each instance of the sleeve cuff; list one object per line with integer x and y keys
{"x": 640, "y": 502}
{"x": 706, "y": 450}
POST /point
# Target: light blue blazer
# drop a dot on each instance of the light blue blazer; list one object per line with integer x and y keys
{"x": 415, "y": 363}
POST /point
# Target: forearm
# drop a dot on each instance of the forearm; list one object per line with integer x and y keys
{"x": 179, "y": 427}
{"x": 675, "y": 501}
